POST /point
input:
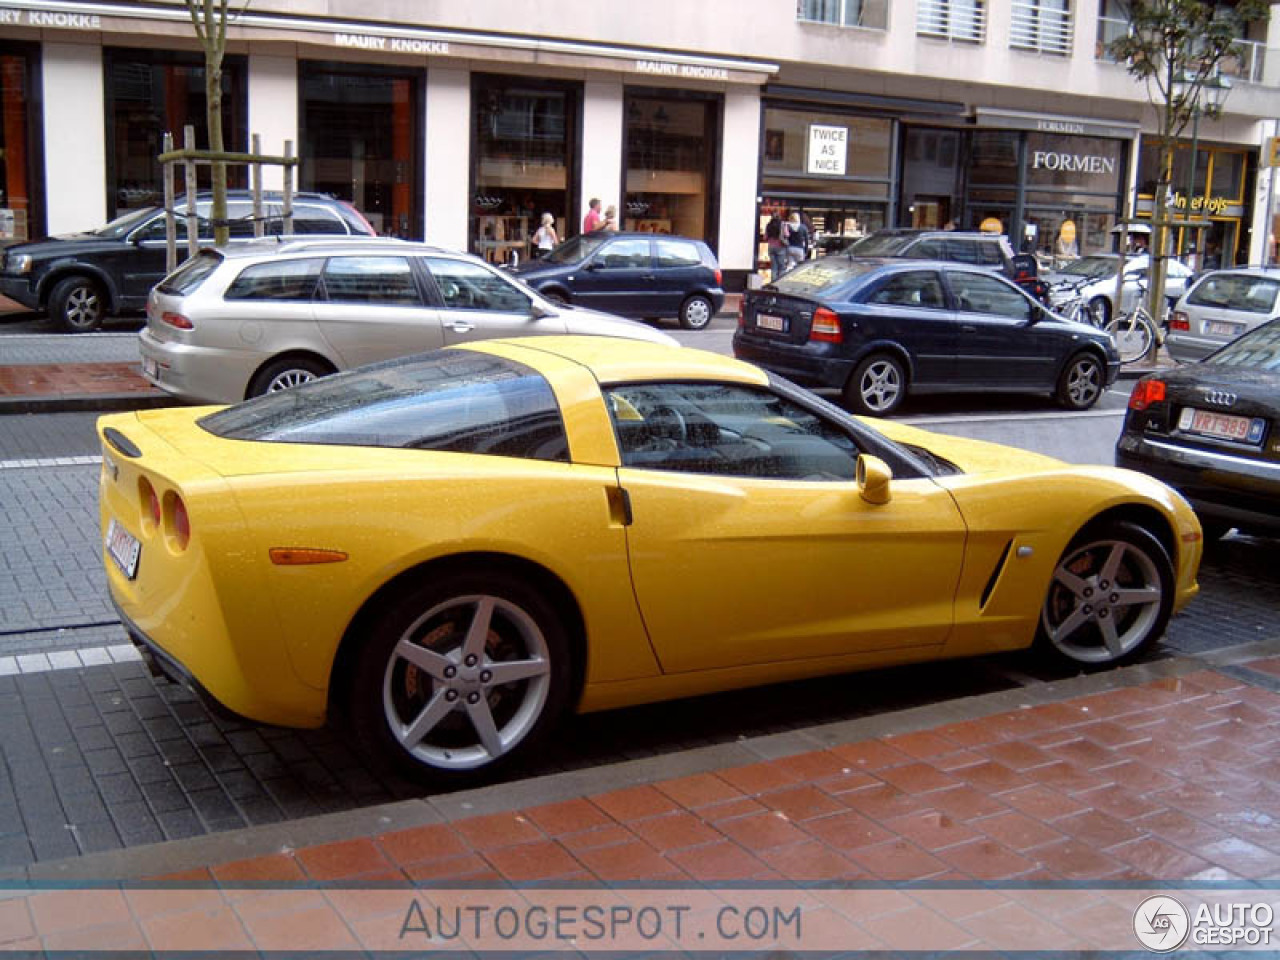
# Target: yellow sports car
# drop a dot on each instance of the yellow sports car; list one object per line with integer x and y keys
{"x": 453, "y": 549}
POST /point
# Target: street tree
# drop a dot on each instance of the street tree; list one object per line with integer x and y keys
{"x": 1176, "y": 47}
{"x": 209, "y": 17}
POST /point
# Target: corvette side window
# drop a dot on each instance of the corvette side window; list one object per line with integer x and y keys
{"x": 726, "y": 429}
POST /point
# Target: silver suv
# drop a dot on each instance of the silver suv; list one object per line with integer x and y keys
{"x": 238, "y": 322}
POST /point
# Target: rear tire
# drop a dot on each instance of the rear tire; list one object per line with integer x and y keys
{"x": 77, "y": 304}
{"x": 1109, "y": 599}
{"x": 428, "y": 693}
{"x": 285, "y": 373}
{"x": 1081, "y": 382}
{"x": 697, "y": 312}
{"x": 878, "y": 386}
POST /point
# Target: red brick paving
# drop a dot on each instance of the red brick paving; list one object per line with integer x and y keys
{"x": 1069, "y": 792}
{"x": 72, "y": 379}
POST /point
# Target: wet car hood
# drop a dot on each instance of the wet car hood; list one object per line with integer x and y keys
{"x": 63, "y": 245}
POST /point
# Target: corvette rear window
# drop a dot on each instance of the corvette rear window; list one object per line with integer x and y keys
{"x": 453, "y": 400}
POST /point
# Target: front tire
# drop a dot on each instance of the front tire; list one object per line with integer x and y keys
{"x": 878, "y": 386}
{"x": 78, "y": 304}
{"x": 461, "y": 677}
{"x": 285, "y": 373}
{"x": 1109, "y": 599}
{"x": 1081, "y": 382}
{"x": 696, "y": 313}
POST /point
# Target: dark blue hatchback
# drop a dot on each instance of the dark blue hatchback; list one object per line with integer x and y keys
{"x": 879, "y": 329}
{"x": 641, "y": 275}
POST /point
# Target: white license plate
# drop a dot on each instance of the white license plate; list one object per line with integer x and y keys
{"x": 1222, "y": 425}
{"x": 767, "y": 321}
{"x": 124, "y": 548}
{"x": 150, "y": 368}
{"x": 1223, "y": 328}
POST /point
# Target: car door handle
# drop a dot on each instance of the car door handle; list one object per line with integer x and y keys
{"x": 648, "y": 276}
{"x": 968, "y": 328}
{"x": 461, "y": 326}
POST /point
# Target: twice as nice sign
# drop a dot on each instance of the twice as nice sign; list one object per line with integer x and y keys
{"x": 828, "y": 149}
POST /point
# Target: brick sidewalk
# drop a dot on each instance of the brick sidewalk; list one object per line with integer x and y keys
{"x": 1176, "y": 780}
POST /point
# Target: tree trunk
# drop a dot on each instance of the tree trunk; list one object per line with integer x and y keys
{"x": 213, "y": 105}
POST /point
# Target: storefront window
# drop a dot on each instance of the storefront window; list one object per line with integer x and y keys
{"x": 525, "y": 155}
{"x": 931, "y": 177}
{"x": 672, "y": 144}
{"x": 360, "y": 137}
{"x": 834, "y": 169}
{"x": 150, "y": 93}
{"x": 18, "y": 220}
{"x": 993, "y": 157}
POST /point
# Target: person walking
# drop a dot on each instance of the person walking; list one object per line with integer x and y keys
{"x": 545, "y": 238}
{"x": 777, "y": 251}
{"x": 591, "y": 222}
{"x": 796, "y": 237}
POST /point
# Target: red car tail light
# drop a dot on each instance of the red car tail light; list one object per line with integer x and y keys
{"x": 176, "y": 320}
{"x": 1179, "y": 321}
{"x": 179, "y": 523}
{"x": 1146, "y": 393}
{"x": 150, "y": 502}
{"x": 826, "y": 326}
{"x": 719, "y": 280}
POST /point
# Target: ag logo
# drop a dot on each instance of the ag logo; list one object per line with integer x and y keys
{"x": 1161, "y": 924}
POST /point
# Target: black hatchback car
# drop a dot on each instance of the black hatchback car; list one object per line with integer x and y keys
{"x": 989, "y": 250}
{"x": 640, "y": 275}
{"x": 880, "y": 329}
{"x": 1211, "y": 430}
{"x": 81, "y": 278}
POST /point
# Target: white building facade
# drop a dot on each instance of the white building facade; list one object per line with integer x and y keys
{"x": 464, "y": 123}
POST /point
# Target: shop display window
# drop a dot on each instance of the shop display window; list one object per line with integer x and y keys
{"x": 672, "y": 144}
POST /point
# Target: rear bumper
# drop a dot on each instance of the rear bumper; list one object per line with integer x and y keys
{"x": 808, "y": 364}
{"x": 1189, "y": 348}
{"x": 1219, "y": 484}
{"x": 197, "y": 374}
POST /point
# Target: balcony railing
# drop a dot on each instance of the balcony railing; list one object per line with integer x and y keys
{"x": 1247, "y": 60}
{"x": 961, "y": 20}
{"x": 1040, "y": 26}
{"x": 869, "y": 14}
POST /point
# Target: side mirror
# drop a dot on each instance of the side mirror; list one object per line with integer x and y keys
{"x": 537, "y": 311}
{"x": 872, "y": 476}
{"x": 594, "y": 265}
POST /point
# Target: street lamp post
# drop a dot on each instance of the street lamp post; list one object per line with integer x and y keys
{"x": 1208, "y": 98}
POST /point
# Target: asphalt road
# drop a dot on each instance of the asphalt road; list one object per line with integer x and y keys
{"x": 101, "y": 756}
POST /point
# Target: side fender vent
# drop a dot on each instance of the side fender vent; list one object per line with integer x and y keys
{"x": 995, "y": 575}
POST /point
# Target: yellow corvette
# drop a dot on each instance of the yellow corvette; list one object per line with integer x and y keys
{"x": 453, "y": 549}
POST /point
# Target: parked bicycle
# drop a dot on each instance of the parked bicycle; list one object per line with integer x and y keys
{"x": 1135, "y": 332}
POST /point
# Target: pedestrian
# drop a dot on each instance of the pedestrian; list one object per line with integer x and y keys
{"x": 545, "y": 238}
{"x": 777, "y": 252}
{"x": 796, "y": 237}
{"x": 610, "y": 221}
{"x": 591, "y": 222}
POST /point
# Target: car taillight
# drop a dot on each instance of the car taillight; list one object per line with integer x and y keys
{"x": 719, "y": 280}
{"x": 151, "y": 501}
{"x": 179, "y": 523}
{"x": 176, "y": 320}
{"x": 1145, "y": 393}
{"x": 826, "y": 326}
{"x": 1179, "y": 321}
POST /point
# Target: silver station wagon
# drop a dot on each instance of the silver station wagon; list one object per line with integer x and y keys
{"x": 1220, "y": 307}
{"x": 239, "y": 322}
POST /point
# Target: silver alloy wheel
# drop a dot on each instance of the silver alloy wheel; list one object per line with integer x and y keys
{"x": 1103, "y": 602}
{"x": 697, "y": 313}
{"x": 880, "y": 386}
{"x": 83, "y": 307}
{"x": 466, "y": 683}
{"x": 292, "y": 377}
{"x": 1084, "y": 382}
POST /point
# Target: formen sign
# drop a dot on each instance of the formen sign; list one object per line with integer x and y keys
{"x": 828, "y": 149}
{"x": 1072, "y": 162}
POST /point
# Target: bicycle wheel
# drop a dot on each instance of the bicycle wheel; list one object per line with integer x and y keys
{"x": 1133, "y": 334}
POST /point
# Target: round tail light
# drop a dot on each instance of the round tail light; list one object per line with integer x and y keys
{"x": 179, "y": 523}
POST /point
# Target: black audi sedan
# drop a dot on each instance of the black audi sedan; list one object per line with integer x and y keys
{"x": 879, "y": 329}
{"x": 1212, "y": 431}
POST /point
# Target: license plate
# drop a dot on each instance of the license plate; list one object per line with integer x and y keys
{"x": 124, "y": 549}
{"x": 767, "y": 321}
{"x": 1224, "y": 426}
{"x": 1223, "y": 328}
{"x": 150, "y": 368}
